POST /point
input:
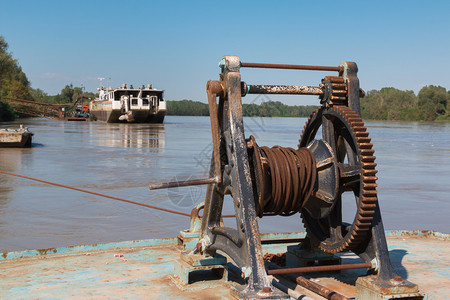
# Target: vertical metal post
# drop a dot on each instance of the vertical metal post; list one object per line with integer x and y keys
{"x": 241, "y": 179}
{"x": 350, "y": 75}
{"x": 243, "y": 244}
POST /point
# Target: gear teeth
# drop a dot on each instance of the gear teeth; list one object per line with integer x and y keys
{"x": 369, "y": 165}
{"x": 365, "y": 146}
{"x": 339, "y": 94}
{"x": 369, "y": 172}
{"x": 357, "y": 124}
{"x": 370, "y": 186}
{"x": 368, "y": 159}
{"x": 367, "y": 152}
{"x": 368, "y": 196}
{"x": 362, "y": 134}
{"x": 370, "y": 179}
{"x": 363, "y": 141}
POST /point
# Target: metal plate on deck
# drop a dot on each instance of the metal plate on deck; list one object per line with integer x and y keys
{"x": 95, "y": 272}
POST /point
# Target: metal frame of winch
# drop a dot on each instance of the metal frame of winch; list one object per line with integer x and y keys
{"x": 283, "y": 181}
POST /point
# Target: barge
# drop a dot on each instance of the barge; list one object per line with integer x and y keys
{"x": 15, "y": 138}
{"x": 127, "y": 104}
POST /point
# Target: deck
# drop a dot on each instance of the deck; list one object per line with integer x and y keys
{"x": 146, "y": 270}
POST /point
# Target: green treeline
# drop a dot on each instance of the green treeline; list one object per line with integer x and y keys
{"x": 68, "y": 95}
{"x": 265, "y": 109}
{"x": 187, "y": 108}
{"x": 13, "y": 81}
{"x": 277, "y": 109}
{"x": 430, "y": 104}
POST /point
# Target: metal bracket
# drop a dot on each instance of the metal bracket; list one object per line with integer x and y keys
{"x": 243, "y": 244}
{"x": 190, "y": 237}
{"x": 191, "y": 262}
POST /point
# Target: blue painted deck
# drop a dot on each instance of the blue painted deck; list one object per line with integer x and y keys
{"x": 94, "y": 271}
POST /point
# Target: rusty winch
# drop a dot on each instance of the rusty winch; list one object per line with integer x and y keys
{"x": 334, "y": 158}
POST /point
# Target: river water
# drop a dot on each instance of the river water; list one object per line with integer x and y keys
{"x": 120, "y": 160}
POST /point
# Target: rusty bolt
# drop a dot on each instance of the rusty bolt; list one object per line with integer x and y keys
{"x": 199, "y": 247}
{"x": 397, "y": 278}
{"x": 266, "y": 289}
{"x": 242, "y": 226}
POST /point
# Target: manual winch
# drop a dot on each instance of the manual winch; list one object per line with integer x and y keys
{"x": 334, "y": 157}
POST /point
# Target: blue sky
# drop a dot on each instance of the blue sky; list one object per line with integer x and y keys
{"x": 176, "y": 45}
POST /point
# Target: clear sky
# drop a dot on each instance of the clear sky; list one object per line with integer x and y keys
{"x": 176, "y": 45}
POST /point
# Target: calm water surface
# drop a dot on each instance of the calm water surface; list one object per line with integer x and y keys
{"x": 122, "y": 159}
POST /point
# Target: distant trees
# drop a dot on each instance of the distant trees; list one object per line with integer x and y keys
{"x": 393, "y": 104}
{"x": 277, "y": 109}
{"x": 13, "y": 81}
{"x": 38, "y": 95}
{"x": 187, "y": 108}
{"x": 265, "y": 109}
{"x": 433, "y": 102}
{"x": 68, "y": 95}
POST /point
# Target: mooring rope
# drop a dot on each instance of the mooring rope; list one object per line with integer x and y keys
{"x": 101, "y": 195}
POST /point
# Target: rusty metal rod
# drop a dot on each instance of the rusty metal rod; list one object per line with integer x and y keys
{"x": 319, "y": 268}
{"x": 283, "y": 89}
{"x": 320, "y": 289}
{"x": 311, "y": 285}
{"x": 290, "y": 67}
{"x": 214, "y": 89}
{"x": 281, "y": 240}
{"x": 174, "y": 184}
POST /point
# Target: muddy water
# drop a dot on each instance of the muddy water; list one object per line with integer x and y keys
{"x": 122, "y": 159}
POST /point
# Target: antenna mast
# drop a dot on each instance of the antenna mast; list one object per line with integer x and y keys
{"x": 101, "y": 81}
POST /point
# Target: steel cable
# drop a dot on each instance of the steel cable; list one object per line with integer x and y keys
{"x": 106, "y": 196}
{"x": 289, "y": 176}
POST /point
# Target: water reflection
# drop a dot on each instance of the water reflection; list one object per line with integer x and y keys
{"x": 11, "y": 160}
{"x": 151, "y": 136}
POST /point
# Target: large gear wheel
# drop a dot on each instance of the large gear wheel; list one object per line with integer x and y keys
{"x": 344, "y": 131}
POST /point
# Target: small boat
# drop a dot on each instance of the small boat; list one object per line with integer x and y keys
{"x": 15, "y": 138}
{"x": 127, "y": 104}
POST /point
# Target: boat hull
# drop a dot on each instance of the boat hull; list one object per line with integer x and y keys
{"x": 112, "y": 116}
{"x": 15, "y": 139}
